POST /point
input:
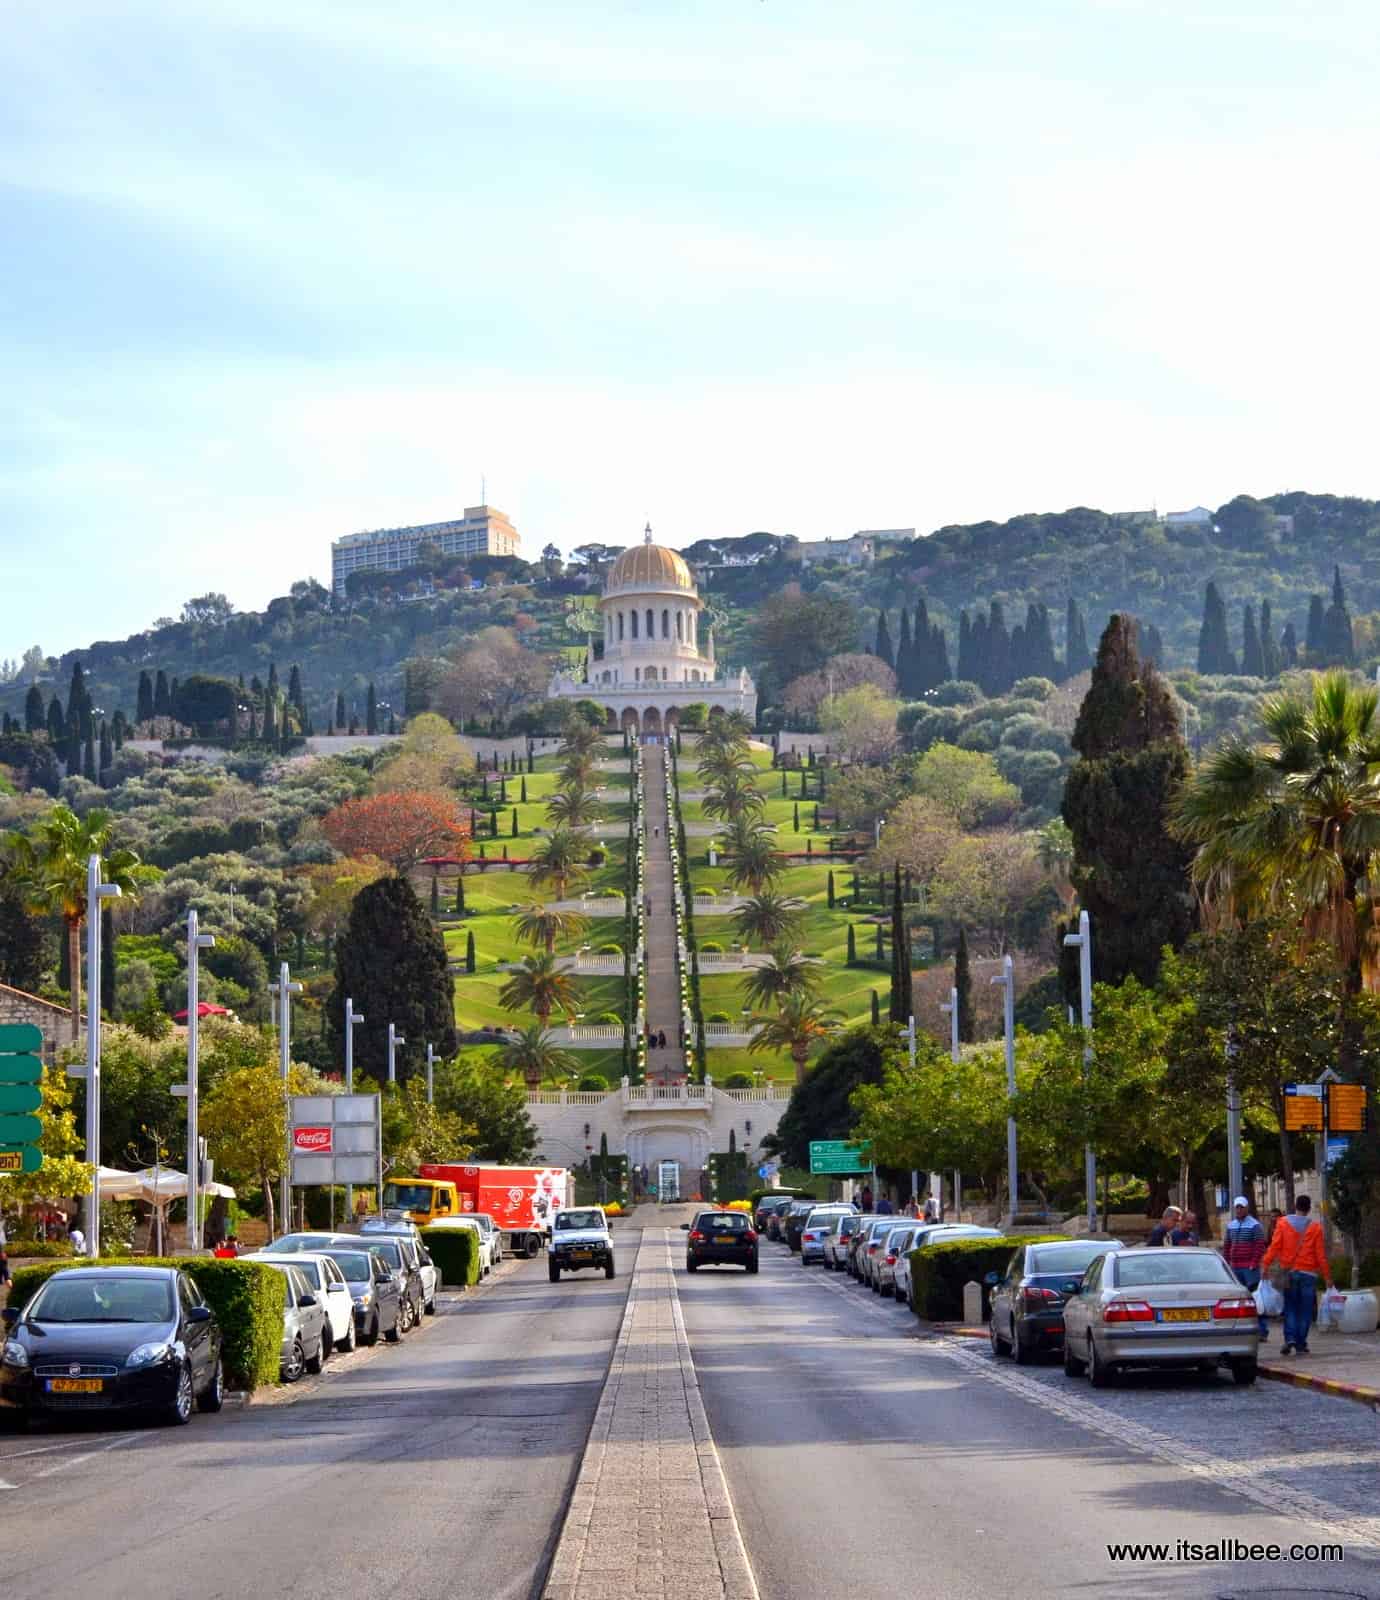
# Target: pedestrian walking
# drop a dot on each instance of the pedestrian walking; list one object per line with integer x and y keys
{"x": 78, "y": 1239}
{"x": 4, "y": 1265}
{"x": 1160, "y": 1233}
{"x": 1187, "y": 1230}
{"x": 1243, "y": 1249}
{"x": 647, "y": 904}
{"x": 661, "y": 1039}
{"x": 867, "y": 1197}
{"x": 885, "y": 1208}
{"x": 1298, "y": 1253}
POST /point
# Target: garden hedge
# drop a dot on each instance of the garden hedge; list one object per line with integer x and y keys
{"x": 938, "y": 1272}
{"x": 456, "y": 1254}
{"x": 247, "y": 1300}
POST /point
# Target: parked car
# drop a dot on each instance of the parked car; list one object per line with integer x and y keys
{"x": 720, "y": 1238}
{"x": 933, "y": 1233}
{"x": 1144, "y": 1307}
{"x": 873, "y": 1238}
{"x": 113, "y": 1339}
{"x": 291, "y": 1243}
{"x": 895, "y": 1245}
{"x": 328, "y": 1284}
{"x": 768, "y": 1208}
{"x": 492, "y": 1232}
{"x": 1028, "y": 1299}
{"x": 375, "y": 1292}
{"x": 837, "y": 1238}
{"x": 856, "y": 1240}
{"x": 404, "y": 1259}
{"x": 793, "y": 1221}
{"x": 306, "y": 1332}
{"x": 817, "y": 1225}
{"x": 580, "y": 1238}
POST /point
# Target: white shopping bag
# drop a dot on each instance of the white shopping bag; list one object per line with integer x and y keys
{"x": 1330, "y": 1312}
{"x": 1268, "y": 1300}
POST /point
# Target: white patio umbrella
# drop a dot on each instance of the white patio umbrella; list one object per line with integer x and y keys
{"x": 160, "y": 1186}
{"x": 117, "y": 1185}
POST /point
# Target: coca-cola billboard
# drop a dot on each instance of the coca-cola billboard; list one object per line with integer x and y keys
{"x": 316, "y": 1140}
{"x": 334, "y": 1139}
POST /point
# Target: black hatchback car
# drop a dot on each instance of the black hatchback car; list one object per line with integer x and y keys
{"x": 1028, "y": 1302}
{"x": 113, "y": 1339}
{"x": 720, "y": 1239}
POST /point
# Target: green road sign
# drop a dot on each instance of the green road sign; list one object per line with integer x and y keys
{"x": 20, "y": 1069}
{"x": 20, "y": 1097}
{"x": 20, "y": 1130}
{"x": 19, "y": 1036}
{"x": 840, "y": 1156}
{"x": 21, "y": 1158}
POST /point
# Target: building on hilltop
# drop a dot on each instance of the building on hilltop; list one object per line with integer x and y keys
{"x": 655, "y": 657}
{"x": 859, "y": 550}
{"x": 482, "y": 531}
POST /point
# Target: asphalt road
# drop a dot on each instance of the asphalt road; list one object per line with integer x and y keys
{"x": 867, "y": 1462}
{"x": 438, "y": 1468}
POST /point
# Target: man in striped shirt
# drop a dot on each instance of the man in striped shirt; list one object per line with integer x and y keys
{"x": 1243, "y": 1248}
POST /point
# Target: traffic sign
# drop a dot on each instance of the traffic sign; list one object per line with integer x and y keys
{"x": 20, "y": 1097}
{"x": 21, "y": 1073}
{"x": 20, "y": 1069}
{"x": 17, "y": 1036}
{"x": 843, "y": 1156}
{"x": 22, "y": 1158}
{"x": 1336, "y": 1148}
{"x": 20, "y": 1130}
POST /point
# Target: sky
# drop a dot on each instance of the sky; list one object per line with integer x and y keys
{"x": 278, "y": 270}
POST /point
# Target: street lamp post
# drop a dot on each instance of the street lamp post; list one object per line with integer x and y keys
{"x": 431, "y": 1074}
{"x": 285, "y": 989}
{"x": 1234, "y": 1178}
{"x": 394, "y": 1040}
{"x": 950, "y": 1006}
{"x": 196, "y": 943}
{"x": 96, "y": 891}
{"x": 353, "y": 1019}
{"x": 1008, "y": 983}
{"x": 908, "y": 1034}
{"x": 1082, "y": 942}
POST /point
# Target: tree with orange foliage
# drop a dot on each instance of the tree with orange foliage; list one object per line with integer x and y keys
{"x": 400, "y": 828}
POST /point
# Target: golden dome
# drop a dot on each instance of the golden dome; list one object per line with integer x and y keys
{"x": 649, "y": 566}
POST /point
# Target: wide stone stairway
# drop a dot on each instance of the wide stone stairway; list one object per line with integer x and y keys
{"x": 663, "y": 984}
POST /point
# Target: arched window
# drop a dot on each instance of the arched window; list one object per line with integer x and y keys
{"x": 620, "y": 625}
{"x": 651, "y": 623}
{"x": 680, "y": 627}
{"x": 665, "y": 624}
{"x": 634, "y": 623}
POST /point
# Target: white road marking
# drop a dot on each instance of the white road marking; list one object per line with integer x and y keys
{"x": 68, "y": 1462}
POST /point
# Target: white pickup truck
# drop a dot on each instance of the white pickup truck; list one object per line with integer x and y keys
{"x": 580, "y": 1238}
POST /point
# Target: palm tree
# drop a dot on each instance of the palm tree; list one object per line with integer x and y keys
{"x": 573, "y": 807}
{"x": 540, "y": 987}
{"x": 768, "y": 917}
{"x": 720, "y": 763}
{"x": 756, "y": 862}
{"x": 785, "y": 973}
{"x": 1054, "y": 850}
{"x": 533, "y": 1055}
{"x": 579, "y": 737}
{"x": 733, "y": 798}
{"x": 576, "y": 771}
{"x": 1296, "y": 820}
{"x": 801, "y": 1023}
{"x": 560, "y": 860}
{"x": 49, "y": 868}
{"x": 540, "y": 924}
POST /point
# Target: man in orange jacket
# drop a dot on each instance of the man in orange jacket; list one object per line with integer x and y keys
{"x": 1298, "y": 1246}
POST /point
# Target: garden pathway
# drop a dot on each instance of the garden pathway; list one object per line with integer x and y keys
{"x": 663, "y": 984}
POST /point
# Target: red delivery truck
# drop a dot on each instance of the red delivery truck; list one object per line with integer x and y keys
{"x": 523, "y": 1201}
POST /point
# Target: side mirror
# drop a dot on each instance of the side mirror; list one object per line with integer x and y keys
{"x": 199, "y": 1314}
{"x": 306, "y": 1301}
{"x": 11, "y": 1315}
{"x": 685, "y": 1227}
{"x": 991, "y": 1279}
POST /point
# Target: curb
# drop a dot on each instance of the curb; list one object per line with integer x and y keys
{"x": 1357, "y": 1392}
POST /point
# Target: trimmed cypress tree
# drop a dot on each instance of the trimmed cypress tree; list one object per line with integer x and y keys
{"x": 1316, "y": 632}
{"x": 876, "y": 1010}
{"x": 883, "y": 646}
{"x": 295, "y": 699}
{"x": 515, "y": 823}
{"x": 905, "y": 662}
{"x": 1252, "y": 657}
{"x": 967, "y": 667}
{"x": 1214, "y": 642}
{"x": 963, "y": 982}
{"x": 106, "y": 757}
{"x": 1130, "y": 875}
{"x": 523, "y": 796}
{"x": 391, "y": 960}
{"x": 143, "y": 708}
{"x": 162, "y": 700}
{"x": 852, "y": 947}
{"x": 371, "y": 716}
{"x": 1339, "y": 645}
{"x": 795, "y": 819}
{"x": 469, "y": 951}
{"x": 341, "y": 716}
{"x": 88, "y": 758}
{"x": 460, "y": 894}
{"x": 831, "y": 888}
{"x": 1270, "y": 658}
{"x": 1077, "y": 656}
{"x": 79, "y": 703}
{"x": 35, "y": 716}
{"x": 1288, "y": 648}
{"x": 879, "y": 953}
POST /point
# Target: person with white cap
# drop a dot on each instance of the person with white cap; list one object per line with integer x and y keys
{"x": 1243, "y": 1249}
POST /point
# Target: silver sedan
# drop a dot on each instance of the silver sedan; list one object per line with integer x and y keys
{"x": 1154, "y": 1308}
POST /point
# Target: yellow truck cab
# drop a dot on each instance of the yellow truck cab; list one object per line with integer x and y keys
{"x": 425, "y": 1200}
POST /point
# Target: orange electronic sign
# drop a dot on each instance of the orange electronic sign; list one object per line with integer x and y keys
{"x": 1303, "y": 1107}
{"x": 1346, "y": 1107}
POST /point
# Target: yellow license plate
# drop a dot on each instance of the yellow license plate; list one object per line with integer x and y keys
{"x": 582, "y": 1255}
{"x": 723, "y": 1238}
{"x": 1187, "y": 1314}
{"x": 74, "y": 1385}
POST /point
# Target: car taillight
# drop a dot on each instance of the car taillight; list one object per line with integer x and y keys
{"x": 811, "y": 1236}
{"x": 1034, "y": 1299}
{"x": 1236, "y": 1308}
{"x": 751, "y": 1236}
{"x": 696, "y": 1234}
{"x": 1129, "y": 1311}
{"x": 891, "y": 1261}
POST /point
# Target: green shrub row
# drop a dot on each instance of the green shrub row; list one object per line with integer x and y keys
{"x": 39, "y": 1249}
{"x": 247, "y": 1300}
{"x": 456, "y": 1254}
{"x": 938, "y": 1272}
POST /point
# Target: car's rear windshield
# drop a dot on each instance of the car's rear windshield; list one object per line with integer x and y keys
{"x": 65, "y": 1299}
{"x": 883, "y": 1225}
{"x": 291, "y": 1243}
{"x": 1070, "y": 1260}
{"x": 389, "y": 1249}
{"x": 724, "y": 1222}
{"x": 1170, "y": 1266}
{"x": 579, "y": 1219}
{"x": 353, "y": 1263}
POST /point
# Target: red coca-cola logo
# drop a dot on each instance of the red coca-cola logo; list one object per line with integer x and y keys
{"x": 314, "y": 1139}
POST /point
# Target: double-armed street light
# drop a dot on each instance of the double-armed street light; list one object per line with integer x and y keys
{"x": 96, "y": 891}
{"x": 1007, "y": 979}
{"x": 1082, "y": 942}
{"x": 284, "y": 989}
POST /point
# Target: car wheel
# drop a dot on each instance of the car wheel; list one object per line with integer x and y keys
{"x": 691, "y": 1265}
{"x": 295, "y": 1364}
{"x": 999, "y": 1345}
{"x": 430, "y": 1307}
{"x": 1023, "y": 1352}
{"x": 553, "y": 1272}
{"x": 1244, "y": 1371}
{"x": 1073, "y": 1367}
{"x": 608, "y": 1267}
{"x": 212, "y": 1397}
{"x": 350, "y": 1340}
{"x": 533, "y": 1245}
{"x": 317, "y": 1361}
{"x": 910, "y": 1300}
{"x": 396, "y": 1331}
{"x": 178, "y": 1411}
{"x": 372, "y": 1337}
{"x": 752, "y": 1265}
{"x": 1100, "y": 1375}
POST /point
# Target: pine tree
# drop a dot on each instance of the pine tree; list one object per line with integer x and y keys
{"x": 143, "y": 709}
{"x": 162, "y": 704}
{"x": 1130, "y": 875}
{"x": 1077, "y": 656}
{"x": 107, "y": 756}
{"x": 469, "y": 951}
{"x": 905, "y": 656}
{"x": 883, "y": 647}
{"x": 1270, "y": 658}
{"x": 88, "y": 758}
{"x": 1252, "y": 657}
{"x": 460, "y": 894}
{"x": 341, "y": 716}
{"x": 1315, "y": 637}
{"x": 1288, "y": 648}
{"x": 371, "y": 718}
{"x": 1214, "y": 642}
{"x": 963, "y": 982}
{"x": 1339, "y": 646}
{"x": 34, "y": 714}
{"x": 967, "y": 668}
